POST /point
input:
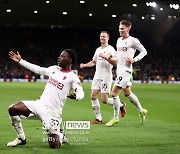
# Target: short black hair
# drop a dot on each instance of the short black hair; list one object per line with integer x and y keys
{"x": 72, "y": 54}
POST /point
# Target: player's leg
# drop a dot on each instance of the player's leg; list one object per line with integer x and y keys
{"x": 120, "y": 82}
{"x": 51, "y": 124}
{"x": 105, "y": 91}
{"x": 95, "y": 89}
{"x": 116, "y": 105}
{"x": 56, "y": 140}
{"x": 134, "y": 100}
{"x": 14, "y": 112}
{"x": 96, "y": 107}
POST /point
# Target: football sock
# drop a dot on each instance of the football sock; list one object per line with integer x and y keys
{"x": 133, "y": 98}
{"x": 16, "y": 122}
{"x": 117, "y": 105}
{"x": 110, "y": 101}
{"x": 96, "y": 108}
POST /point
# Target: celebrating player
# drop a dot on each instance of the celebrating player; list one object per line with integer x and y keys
{"x": 126, "y": 48}
{"x": 103, "y": 76}
{"x": 49, "y": 107}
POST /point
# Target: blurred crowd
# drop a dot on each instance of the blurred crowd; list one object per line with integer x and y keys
{"x": 42, "y": 46}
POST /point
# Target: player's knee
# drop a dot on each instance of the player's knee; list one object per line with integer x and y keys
{"x": 11, "y": 109}
{"x": 93, "y": 97}
{"x": 54, "y": 141}
{"x": 14, "y": 110}
{"x": 104, "y": 101}
{"x": 54, "y": 146}
{"x": 126, "y": 94}
{"x": 113, "y": 94}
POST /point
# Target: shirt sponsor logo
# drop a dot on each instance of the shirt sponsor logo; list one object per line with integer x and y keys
{"x": 124, "y": 49}
{"x": 56, "y": 83}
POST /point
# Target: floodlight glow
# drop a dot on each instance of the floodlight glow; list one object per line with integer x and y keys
{"x": 35, "y": 11}
{"x": 147, "y": 3}
{"x": 90, "y": 14}
{"x": 114, "y": 16}
{"x": 105, "y": 5}
{"x": 134, "y": 5}
{"x": 82, "y": 2}
{"x": 8, "y": 10}
{"x": 151, "y": 4}
{"x": 142, "y": 17}
{"x": 174, "y": 6}
{"x": 47, "y": 2}
{"x": 64, "y": 13}
{"x": 153, "y": 18}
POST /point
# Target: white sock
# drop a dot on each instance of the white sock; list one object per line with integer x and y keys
{"x": 16, "y": 122}
{"x": 96, "y": 108}
{"x": 117, "y": 105}
{"x": 133, "y": 98}
{"x": 110, "y": 101}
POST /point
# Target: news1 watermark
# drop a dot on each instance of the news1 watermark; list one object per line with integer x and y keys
{"x": 76, "y": 132}
{"x": 76, "y": 125}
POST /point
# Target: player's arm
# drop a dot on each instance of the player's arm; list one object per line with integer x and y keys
{"x": 32, "y": 67}
{"x": 143, "y": 52}
{"x": 89, "y": 64}
{"x": 109, "y": 58}
{"x": 78, "y": 92}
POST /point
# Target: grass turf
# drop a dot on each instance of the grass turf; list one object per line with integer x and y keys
{"x": 159, "y": 134}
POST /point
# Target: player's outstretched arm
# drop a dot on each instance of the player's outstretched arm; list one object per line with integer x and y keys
{"x": 32, "y": 67}
{"x": 89, "y": 64}
{"x": 15, "y": 56}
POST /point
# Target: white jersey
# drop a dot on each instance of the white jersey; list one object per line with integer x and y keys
{"x": 103, "y": 67}
{"x": 126, "y": 49}
{"x": 58, "y": 86}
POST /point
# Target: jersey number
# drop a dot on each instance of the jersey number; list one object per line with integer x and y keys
{"x": 118, "y": 79}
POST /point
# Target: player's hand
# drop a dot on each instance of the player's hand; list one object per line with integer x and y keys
{"x": 72, "y": 96}
{"x": 15, "y": 56}
{"x": 130, "y": 61}
{"x": 107, "y": 57}
{"x": 81, "y": 65}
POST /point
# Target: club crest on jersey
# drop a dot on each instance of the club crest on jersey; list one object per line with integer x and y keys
{"x": 53, "y": 72}
{"x": 64, "y": 77}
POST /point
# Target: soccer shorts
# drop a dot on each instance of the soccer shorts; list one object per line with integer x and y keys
{"x": 50, "y": 121}
{"x": 103, "y": 85}
{"x": 123, "y": 79}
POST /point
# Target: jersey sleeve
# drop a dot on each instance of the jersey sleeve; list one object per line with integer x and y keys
{"x": 138, "y": 46}
{"x": 95, "y": 56}
{"x": 113, "y": 51}
{"x": 78, "y": 88}
{"x": 34, "y": 68}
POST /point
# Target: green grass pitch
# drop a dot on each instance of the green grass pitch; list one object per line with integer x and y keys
{"x": 159, "y": 134}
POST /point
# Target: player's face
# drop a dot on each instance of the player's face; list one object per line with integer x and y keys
{"x": 64, "y": 59}
{"x": 123, "y": 30}
{"x": 104, "y": 38}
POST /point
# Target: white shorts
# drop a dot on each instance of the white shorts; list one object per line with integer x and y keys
{"x": 39, "y": 111}
{"x": 103, "y": 85}
{"x": 123, "y": 80}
